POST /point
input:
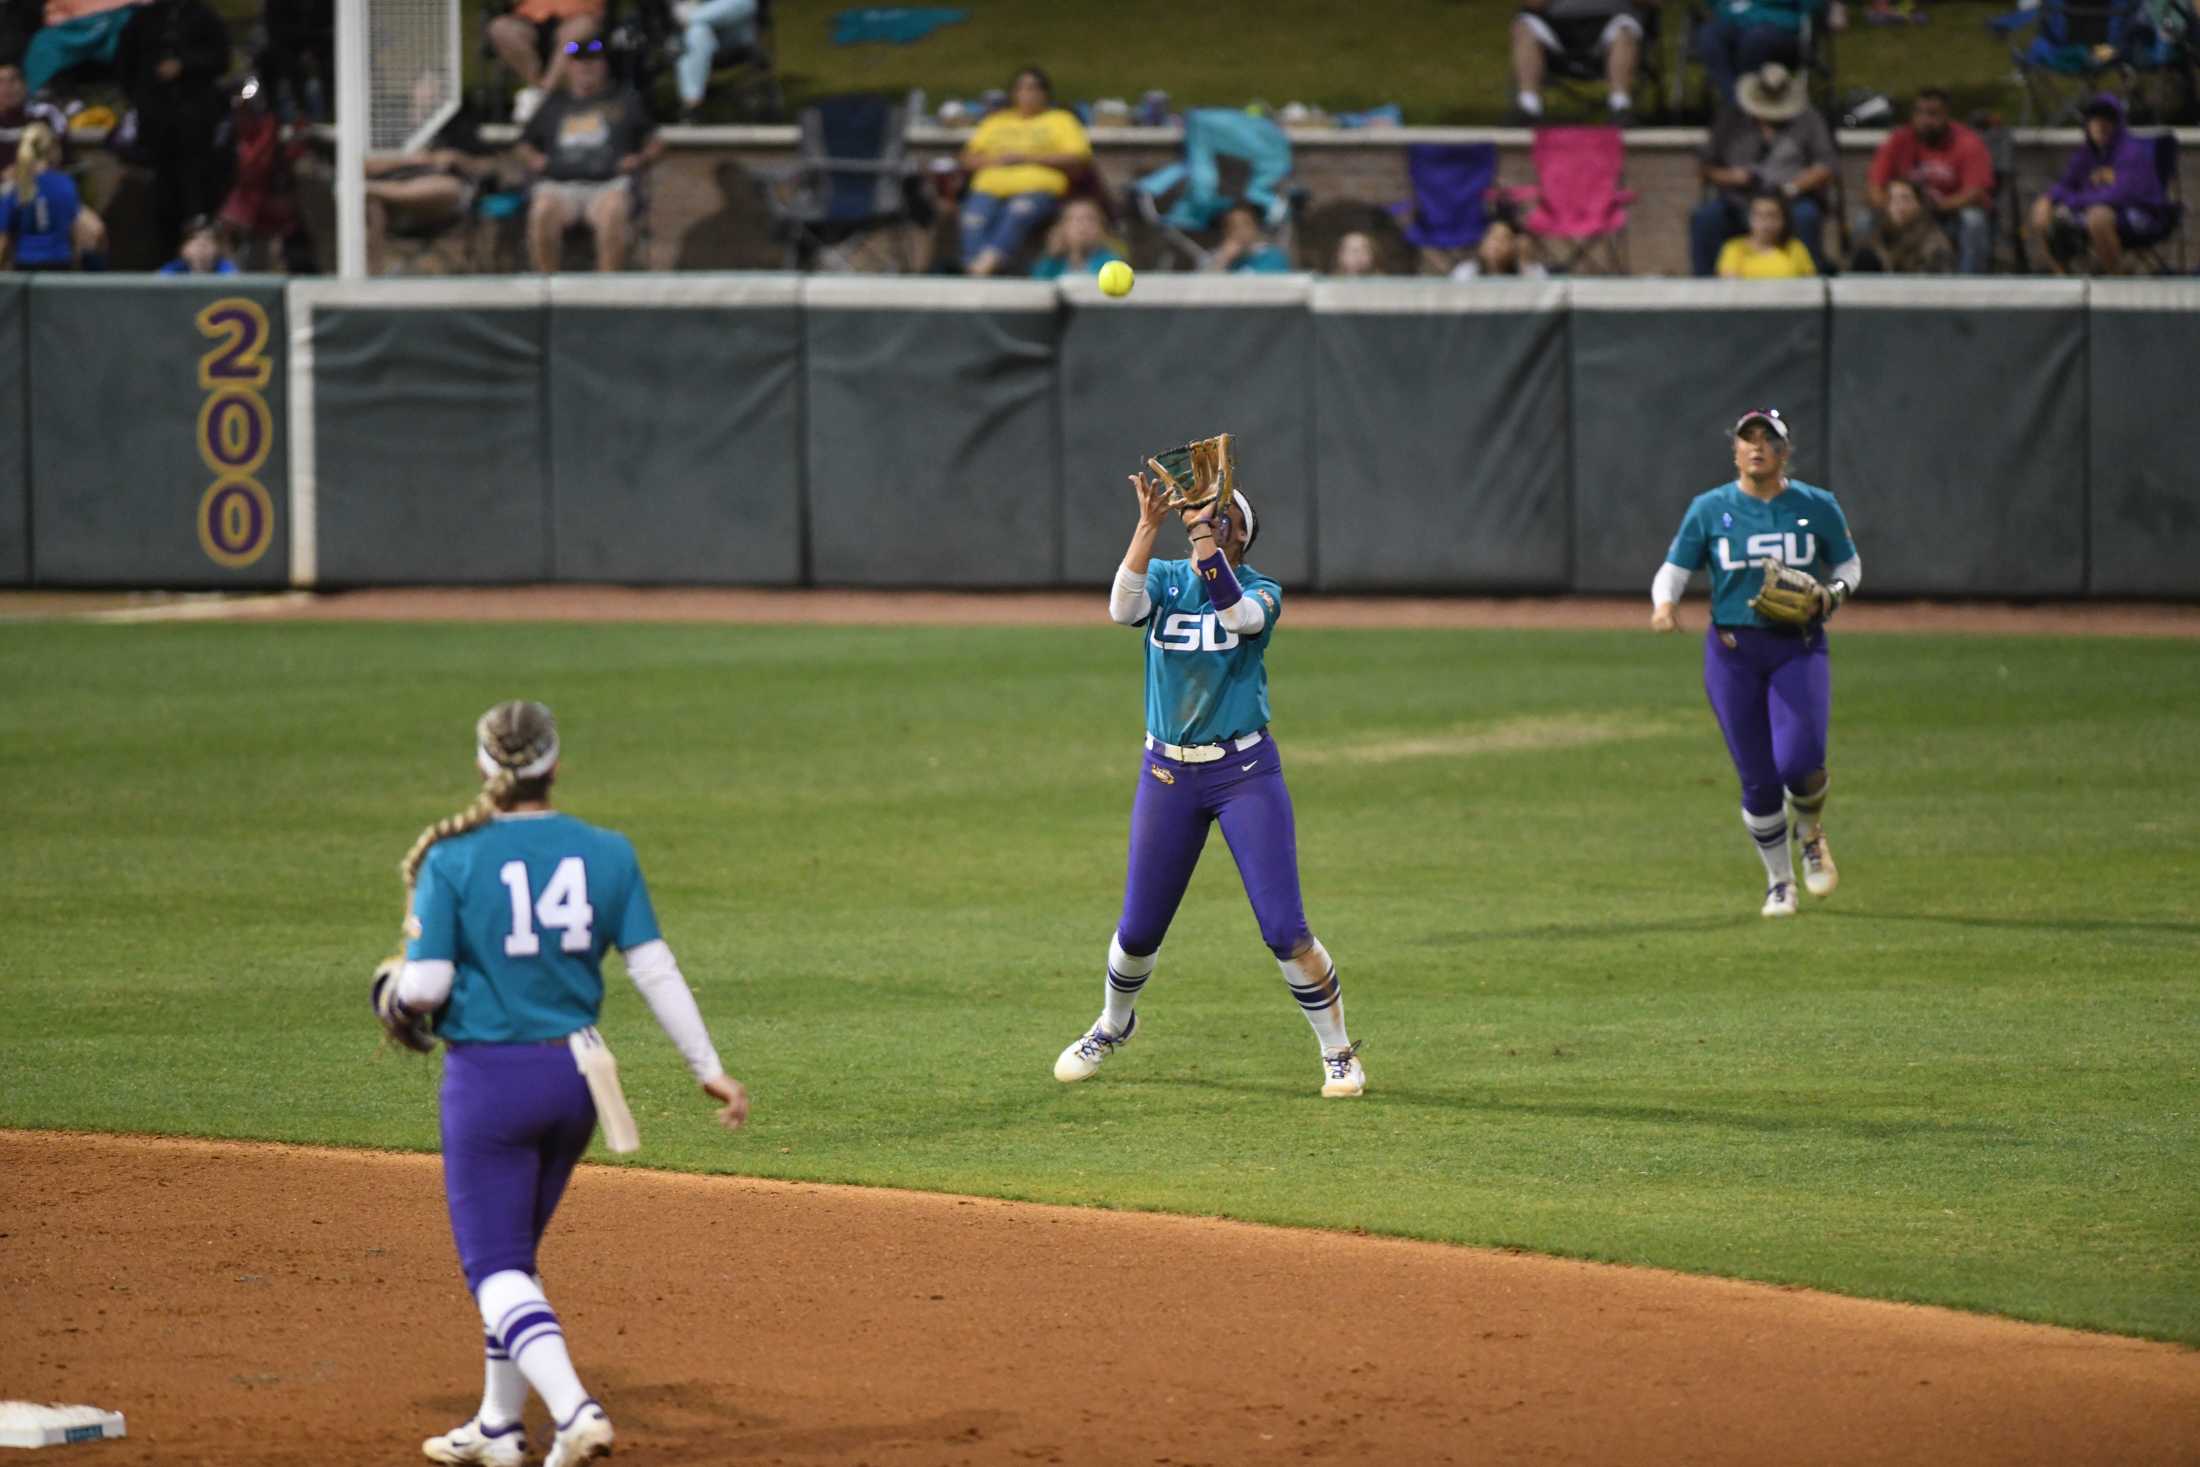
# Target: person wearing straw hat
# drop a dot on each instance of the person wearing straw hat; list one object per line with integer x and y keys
{"x": 1771, "y": 141}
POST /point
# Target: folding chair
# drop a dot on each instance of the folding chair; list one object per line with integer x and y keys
{"x": 1450, "y": 208}
{"x": 1230, "y": 158}
{"x": 1579, "y": 203}
{"x": 2164, "y": 249}
{"x": 2081, "y": 46}
{"x": 850, "y": 190}
{"x": 1814, "y": 63}
{"x": 1581, "y": 78}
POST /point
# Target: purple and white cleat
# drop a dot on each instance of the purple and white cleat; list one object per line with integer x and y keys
{"x": 495, "y": 1446}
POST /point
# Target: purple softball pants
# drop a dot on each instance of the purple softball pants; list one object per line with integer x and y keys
{"x": 516, "y": 1119}
{"x": 1175, "y": 805}
{"x": 1772, "y": 693}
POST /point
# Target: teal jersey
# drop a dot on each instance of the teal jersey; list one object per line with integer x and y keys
{"x": 1204, "y": 683}
{"x": 524, "y": 909}
{"x": 1735, "y": 533}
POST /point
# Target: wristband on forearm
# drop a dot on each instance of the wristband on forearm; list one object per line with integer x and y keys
{"x": 1837, "y": 591}
{"x": 1223, "y": 591}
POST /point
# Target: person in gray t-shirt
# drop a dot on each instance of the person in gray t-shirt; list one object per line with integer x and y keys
{"x": 1771, "y": 140}
{"x": 586, "y": 144}
{"x": 1576, "y": 36}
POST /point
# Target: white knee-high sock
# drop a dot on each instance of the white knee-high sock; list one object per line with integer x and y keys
{"x": 517, "y": 1313}
{"x": 1126, "y": 976}
{"x": 1313, "y": 980}
{"x": 1809, "y": 809}
{"x": 1769, "y": 833}
{"x": 503, "y": 1388}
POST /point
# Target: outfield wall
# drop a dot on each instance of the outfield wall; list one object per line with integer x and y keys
{"x": 2030, "y": 438}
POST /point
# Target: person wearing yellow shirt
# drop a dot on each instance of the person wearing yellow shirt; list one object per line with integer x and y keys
{"x": 1770, "y": 251}
{"x": 1019, "y": 161}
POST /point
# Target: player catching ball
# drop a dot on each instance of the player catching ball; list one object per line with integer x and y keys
{"x": 1208, "y": 757}
{"x": 511, "y": 907}
{"x": 1764, "y": 655}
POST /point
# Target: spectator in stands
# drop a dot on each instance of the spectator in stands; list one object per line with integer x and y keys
{"x": 1953, "y": 173}
{"x": 1499, "y": 255}
{"x": 706, "y": 27}
{"x": 1078, "y": 244}
{"x": 1019, "y": 159}
{"x": 18, "y": 114}
{"x": 205, "y": 250}
{"x": 1580, "y": 32}
{"x": 1773, "y": 140}
{"x": 1742, "y": 36}
{"x": 18, "y": 111}
{"x": 1355, "y": 256}
{"x": 1770, "y": 251}
{"x": 76, "y": 32}
{"x": 587, "y": 143}
{"x": 262, "y": 203}
{"x": 429, "y": 191}
{"x": 1245, "y": 246}
{"x": 2109, "y": 197}
{"x": 298, "y": 62}
{"x": 38, "y": 206}
{"x": 536, "y": 31}
{"x": 1903, "y": 238}
{"x": 172, "y": 61}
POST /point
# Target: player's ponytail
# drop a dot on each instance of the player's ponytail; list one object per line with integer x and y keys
{"x": 36, "y": 151}
{"x": 516, "y": 744}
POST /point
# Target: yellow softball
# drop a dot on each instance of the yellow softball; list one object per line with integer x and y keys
{"x": 1116, "y": 278}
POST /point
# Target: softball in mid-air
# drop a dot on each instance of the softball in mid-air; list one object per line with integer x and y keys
{"x": 1116, "y": 278}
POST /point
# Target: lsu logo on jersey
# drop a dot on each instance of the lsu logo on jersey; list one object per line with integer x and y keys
{"x": 1770, "y": 545}
{"x": 1191, "y": 631}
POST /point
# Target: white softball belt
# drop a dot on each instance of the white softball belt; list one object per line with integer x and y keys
{"x": 1204, "y": 753}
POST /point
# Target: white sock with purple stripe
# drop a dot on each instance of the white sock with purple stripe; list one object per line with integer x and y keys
{"x": 1770, "y": 835}
{"x": 1126, "y": 976}
{"x": 1314, "y": 983}
{"x": 503, "y": 1389}
{"x": 518, "y": 1314}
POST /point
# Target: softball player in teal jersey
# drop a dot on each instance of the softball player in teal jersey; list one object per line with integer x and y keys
{"x": 1770, "y": 685}
{"x": 512, "y": 908}
{"x": 1209, "y": 759}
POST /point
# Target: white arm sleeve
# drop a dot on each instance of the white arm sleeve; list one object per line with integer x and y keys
{"x": 1670, "y": 585}
{"x": 654, "y": 972}
{"x": 423, "y": 986}
{"x": 1850, "y": 571}
{"x": 1128, "y": 603}
{"x": 1248, "y": 618}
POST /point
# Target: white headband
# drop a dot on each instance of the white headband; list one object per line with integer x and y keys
{"x": 1244, "y": 509}
{"x": 536, "y": 770}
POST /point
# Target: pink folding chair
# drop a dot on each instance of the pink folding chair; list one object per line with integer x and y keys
{"x": 1579, "y": 205}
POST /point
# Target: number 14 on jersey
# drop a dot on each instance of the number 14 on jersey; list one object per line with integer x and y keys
{"x": 563, "y": 907}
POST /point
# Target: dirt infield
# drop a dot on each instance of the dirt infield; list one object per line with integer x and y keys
{"x": 1041, "y": 608}
{"x": 267, "y": 1304}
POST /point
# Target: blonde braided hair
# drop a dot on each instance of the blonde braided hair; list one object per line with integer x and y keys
{"x": 515, "y": 742}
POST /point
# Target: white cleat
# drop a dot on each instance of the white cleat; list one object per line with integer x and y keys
{"x": 1081, "y": 1061}
{"x": 587, "y": 1439}
{"x": 1819, "y": 874}
{"x": 1780, "y": 900}
{"x": 496, "y": 1446}
{"x": 1341, "y": 1072}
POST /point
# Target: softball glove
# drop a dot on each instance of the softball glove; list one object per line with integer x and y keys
{"x": 401, "y": 1024}
{"x": 1790, "y": 597}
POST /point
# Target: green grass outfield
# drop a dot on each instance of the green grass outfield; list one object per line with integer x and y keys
{"x": 891, "y": 860}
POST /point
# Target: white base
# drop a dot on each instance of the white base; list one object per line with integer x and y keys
{"x": 28, "y": 1424}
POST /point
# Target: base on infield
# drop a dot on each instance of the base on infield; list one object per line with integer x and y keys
{"x": 29, "y": 1424}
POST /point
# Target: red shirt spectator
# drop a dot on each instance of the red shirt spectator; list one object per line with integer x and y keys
{"x": 1946, "y": 160}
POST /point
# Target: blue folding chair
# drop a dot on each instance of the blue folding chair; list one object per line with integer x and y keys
{"x": 1452, "y": 185}
{"x": 1230, "y": 158}
{"x": 850, "y": 189}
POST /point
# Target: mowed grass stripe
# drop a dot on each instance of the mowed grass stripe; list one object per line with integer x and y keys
{"x": 891, "y": 858}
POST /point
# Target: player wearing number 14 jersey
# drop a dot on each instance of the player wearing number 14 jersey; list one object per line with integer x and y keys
{"x": 1208, "y": 759}
{"x": 513, "y": 906}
